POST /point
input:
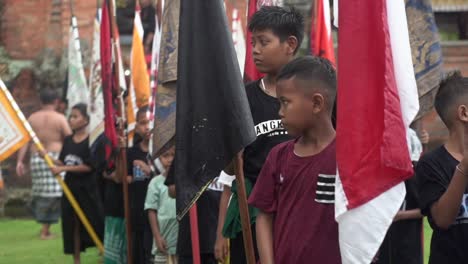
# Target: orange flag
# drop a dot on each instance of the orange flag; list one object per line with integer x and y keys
{"x": 139, "y": 92}
{"x": 13, "y": 132}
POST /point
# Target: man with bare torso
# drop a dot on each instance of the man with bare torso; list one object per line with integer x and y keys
{"x": 51, "y": 128}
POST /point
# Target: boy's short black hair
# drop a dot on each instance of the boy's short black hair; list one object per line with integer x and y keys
{"x": 281, "y": 21}
{"x": 312, "y": 70}
{"x": 82, "y": 108}
{"x": 48, "y": 96}
{"x": 142, "y": 110}
{"x": 451, "y": 88}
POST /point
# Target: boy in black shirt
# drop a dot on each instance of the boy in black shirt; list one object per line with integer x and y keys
{"x": 276, "y": 36}
{"x": 442, "y": 177}
{"x": 140, "y": 173}
{"x": 207, "y": 211}
{"x": 115, "y": 240}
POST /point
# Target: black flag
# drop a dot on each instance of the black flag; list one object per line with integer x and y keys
{"x": 213, "y": 120}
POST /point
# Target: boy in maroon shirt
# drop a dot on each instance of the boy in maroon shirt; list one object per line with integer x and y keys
{"x": 295, "y": 189}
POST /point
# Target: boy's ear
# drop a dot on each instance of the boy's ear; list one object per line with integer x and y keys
{"x": 463, "y": 113}
{"x": 292, "y": 44}
{"x": 318, "y": 102}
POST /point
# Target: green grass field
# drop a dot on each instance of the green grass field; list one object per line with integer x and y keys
{"x": 20, "y": 244}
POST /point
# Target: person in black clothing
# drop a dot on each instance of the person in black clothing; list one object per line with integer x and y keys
{"x": 74, "y": 159}
{"x": 442, "y": 176}
{"x": 403, "y": 242}
{"x": 207, "y": 211}
{"x": 115, "y": 240}
{"x": 139, "y": 176}
{"x": 277, "y": 34}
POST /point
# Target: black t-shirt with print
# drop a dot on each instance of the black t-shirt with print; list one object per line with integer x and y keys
{"x": 137, "y": 189}
{"x": 74, "y": 154}
{"x": 268, "y": 128}
{"x": 434, "y": 173}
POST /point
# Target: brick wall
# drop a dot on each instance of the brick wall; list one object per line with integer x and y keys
{"x": 24, "y": 23}
{"x": 30, "y": 26}
{"x": 456, "y": 56}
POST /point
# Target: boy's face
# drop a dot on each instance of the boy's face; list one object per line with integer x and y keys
{"x": 142, "y": 126}
{"x": 167, "y": 157}
{"x": 270, "y": 54}
{"x": 77, "y": 120}
{"x": 299, "y": 109}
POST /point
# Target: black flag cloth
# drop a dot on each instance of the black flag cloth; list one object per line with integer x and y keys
{"x": 213, "y": 120}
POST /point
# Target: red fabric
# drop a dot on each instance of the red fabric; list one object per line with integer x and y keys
{"x": 304, "y": 223}
{"x": 372, "y": 150}
{"x": 322, "y": 44}
{"x": 107, "y": 81}
{"x": 250, "y": 71}
{"x": 194, "y": 234}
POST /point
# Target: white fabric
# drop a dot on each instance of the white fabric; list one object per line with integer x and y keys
{"x": 96, "y": 103}
{"x": 402, "y": 60}
{"x": 414, "y": 145}
{"x": 326, "y": 16}
{"x": 159, "y": 166}
{"x": 362, "y": 229}
{"x": 226, "y": 179}
{"x": 77, "y": 86}
{"x": 335, "y": 13}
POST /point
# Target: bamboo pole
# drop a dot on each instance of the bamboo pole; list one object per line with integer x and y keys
{"x": 244, "y": 210}
{"x": 122, "y": 157}
{"x": 51, "y": 164}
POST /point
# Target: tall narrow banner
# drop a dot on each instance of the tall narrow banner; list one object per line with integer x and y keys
{"x": 107, "y": 82}
{"x": 139, "y": 91}
{"x": 321, "y": 40}
{"x": 373, "y": 166}
{"x": 96, "y": 98}
{"x": 77, "y": 91}
{"x": 213, "y": 115}
{"x": 238, "y": 39}
{"x": 165, "y": 102}
{"x": 154, "y": 70}
{"x": 13, "y": 134}
{"x": 154, "y": 75}
{"x": 426, "y": 50}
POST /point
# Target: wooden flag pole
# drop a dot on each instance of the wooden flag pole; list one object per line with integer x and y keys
{"x": 51, "y": 164}
{"x": 122, "y": 157}
{"x": 194, "y": 234}
{"x": 244, "y": 210}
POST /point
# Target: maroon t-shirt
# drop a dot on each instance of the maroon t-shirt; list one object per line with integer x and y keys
{"x": 299, "y": 191}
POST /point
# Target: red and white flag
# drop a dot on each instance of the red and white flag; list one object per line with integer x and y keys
{"x": 321, "y": 43}
{"x": 377, "y": 100}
